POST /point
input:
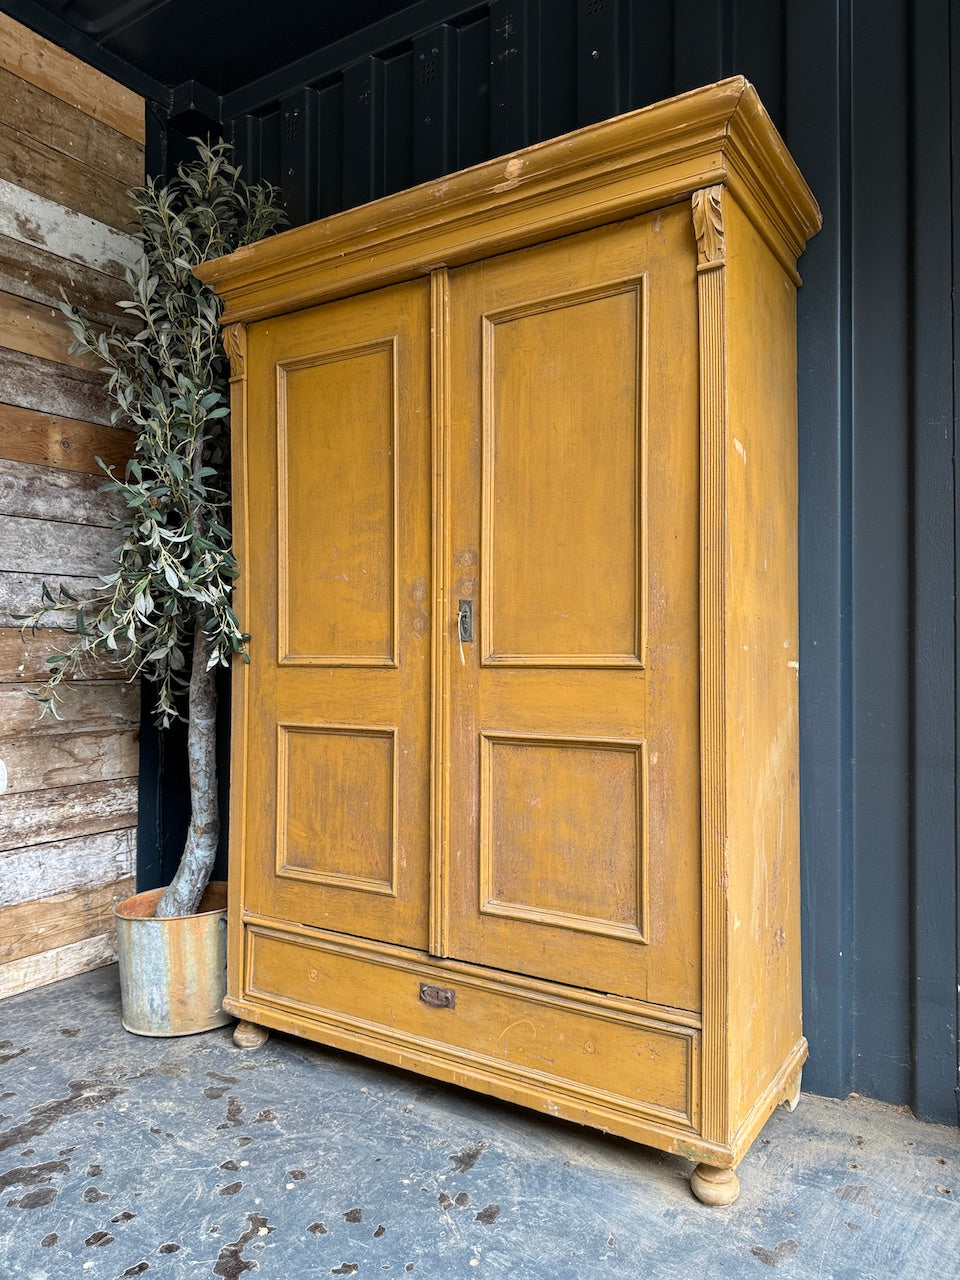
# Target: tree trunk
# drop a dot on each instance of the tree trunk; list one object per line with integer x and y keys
{"x": 200, "y": 850}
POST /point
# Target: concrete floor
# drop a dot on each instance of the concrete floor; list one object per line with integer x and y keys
{"x": 122, "y": 1156}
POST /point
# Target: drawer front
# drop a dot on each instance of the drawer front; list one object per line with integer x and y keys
{"x": 474, "y": 1028}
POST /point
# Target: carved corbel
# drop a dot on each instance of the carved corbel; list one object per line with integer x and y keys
{"x": 708, "y": 227}
{"x": 235, "y": 345}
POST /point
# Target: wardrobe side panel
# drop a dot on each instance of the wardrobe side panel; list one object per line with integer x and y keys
{"x": 761, "y": 664}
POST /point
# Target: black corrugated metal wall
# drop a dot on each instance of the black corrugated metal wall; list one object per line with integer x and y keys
{"x": 861, "y": 90}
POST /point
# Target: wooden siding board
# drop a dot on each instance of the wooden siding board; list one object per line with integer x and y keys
{"x": 67, "y": 129}
{"x": 49, "y": 493}
{"x": 39, "y": 871}
{"x": 29, "y": 382}
{"x": 22, "y": 593}
{"x": 89, "y": 705}
{"x": 50, "y": 547}
{"x": 23, "y": 658}
{"x": 53, "y": 966}
{"x": 37, "y": 329}
{"x": 45, "y": 223}
{"x": 70, "y": 147}
{"x": 34, "y": 817}
{"x": 33, "y": 762}
{"x": 37, "y": 167}
{"x": 38, "y": 275}
{"x": 50, "y": 68}
{"x": 29, "y": 928}
{"x": 52, "y": 440}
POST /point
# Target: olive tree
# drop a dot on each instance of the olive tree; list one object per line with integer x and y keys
{"x": 164, "y": 612}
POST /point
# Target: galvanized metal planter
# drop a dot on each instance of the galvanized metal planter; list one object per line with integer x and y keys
{"x": 173, "y": 971}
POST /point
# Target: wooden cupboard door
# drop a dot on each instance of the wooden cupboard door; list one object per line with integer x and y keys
{"x": 573, "y": 739}
{"x": 337, "y": 760}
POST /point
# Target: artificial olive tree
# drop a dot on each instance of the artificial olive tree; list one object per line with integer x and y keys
{"x": 164, "y": 612}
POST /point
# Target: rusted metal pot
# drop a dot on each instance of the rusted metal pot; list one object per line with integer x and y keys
{"x": 173, "y": 971}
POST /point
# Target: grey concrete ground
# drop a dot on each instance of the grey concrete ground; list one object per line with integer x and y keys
{"x": 121, "y": 1156}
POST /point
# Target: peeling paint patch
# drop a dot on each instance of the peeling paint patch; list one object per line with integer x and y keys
{"x": 488, "y": 1215}
{"x": 170, "y": 1247}
{"x": 467, "y": 1157}
{"x": 234, "y": 1114}
{"x": 345, "y": 1269}
{"x": 85, "y": 1096}
{"x": 317, "y": 1229}
{"x": 38, "y": 1199}
{"x": 99, "y": 1239}
{"x": 773, "y": 1257}
{"x": 230, "y": 1189}
{"x": 136, "y": 1270}
{"x": 353, "y": 1215}
{"x": 31, "y": 1175}
{"x": 49, "y": 1241}
{"x": 231, "y": 1264}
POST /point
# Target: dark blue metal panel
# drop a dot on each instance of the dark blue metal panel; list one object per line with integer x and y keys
{"x": 933, "y": 567}
{"x": 880, "y": 294}
{"x": 817, "y": 114}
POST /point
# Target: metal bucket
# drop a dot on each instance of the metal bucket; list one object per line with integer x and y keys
{"x": 173, "y": 971}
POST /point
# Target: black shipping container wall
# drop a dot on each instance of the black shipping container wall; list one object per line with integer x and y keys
{"x": 864, "y": 92}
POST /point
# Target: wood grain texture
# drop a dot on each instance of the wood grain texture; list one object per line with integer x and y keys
{"x": 51, "y": 440}
{"x": 33, "y": 762}
{"x": 37, "y": 329}
{"x": 38, "y": 167}
{"x": 49, "y": 493}
{"x": 38, "y": 275}
{"x": 22, "y": 593}
{"x": 66, "y": 866}
{"x": 54, "y": 548}
{"x": 57, "y": 72}
{"x": 53, "y": 966}
{"x": 87, "y": 705}
{"x": 23, "y": 657}
{"x": 71, "y": 143}
{"x": 46, "y": 224}
{"x": 32, "y": 928}
{"x": 35, "y": 817}
{"x": 29, "y": 382}
{"x": 69, "y": 130}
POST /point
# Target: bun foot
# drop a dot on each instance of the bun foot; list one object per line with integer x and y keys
{"x": 714, "y": 1186}
{"x": 792, "y": 1096}
{"x": 247, "y": 1035}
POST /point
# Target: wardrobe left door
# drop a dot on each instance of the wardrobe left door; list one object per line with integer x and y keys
{"x": 337, "y": 726}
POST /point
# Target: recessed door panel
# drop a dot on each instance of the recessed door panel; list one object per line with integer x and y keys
{"x": 337, "y": 443}
{"x": 552, "y": 383}
{"x": 338, "y": 720}
{"x": 573, "y": 736}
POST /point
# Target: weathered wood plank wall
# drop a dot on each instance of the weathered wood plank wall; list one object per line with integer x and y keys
{"x": 71, "y": 143}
